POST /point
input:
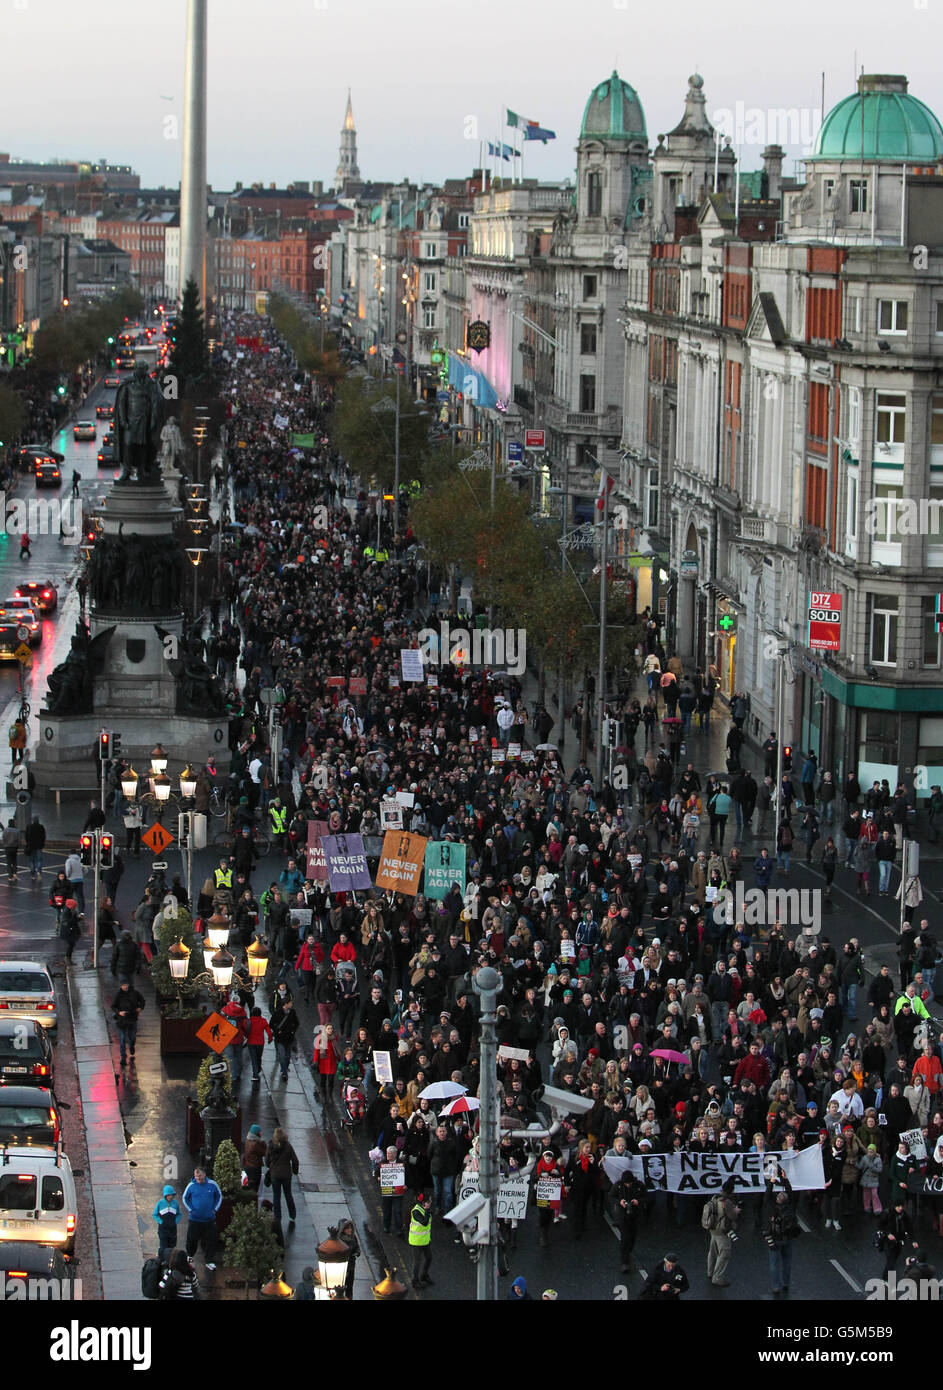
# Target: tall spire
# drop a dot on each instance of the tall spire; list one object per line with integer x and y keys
{"x": 347, "y": 155}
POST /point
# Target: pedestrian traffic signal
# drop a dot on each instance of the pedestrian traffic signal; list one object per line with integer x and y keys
{"x": 183, "y": 829}
{"x": 107, "y": 859}
{"x": 787, "y": 757}
{"x": 88, "y": 850}
{"x": 104, "y": 746}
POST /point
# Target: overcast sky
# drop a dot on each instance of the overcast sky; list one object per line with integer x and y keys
{"x": 428, "y": 79}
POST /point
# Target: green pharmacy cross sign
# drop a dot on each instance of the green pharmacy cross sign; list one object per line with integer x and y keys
{"x": 727, "y": 623}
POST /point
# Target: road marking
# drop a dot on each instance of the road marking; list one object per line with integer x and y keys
{"x": 803, "y": 1226}
{"x": 847, "y": 1277}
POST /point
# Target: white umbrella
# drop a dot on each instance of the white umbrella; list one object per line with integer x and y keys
{"x": 546, "y": 748}
{"x": 459, "y": 1106}
{"x": 442, "y": 1090}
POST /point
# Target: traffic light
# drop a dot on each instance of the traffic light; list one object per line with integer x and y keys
{"x": 183, "y": 829}
{"x": 787, "y": 757}
{"x": 107, "y": 850}
{"x": 88, "y": 850}
{"x": 104, "y": 746}
{"x": 116, "y": 745}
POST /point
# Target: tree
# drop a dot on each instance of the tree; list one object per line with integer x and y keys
{"x": 249, "y": 1243}
{"x": 189, "y": 361}
{"x": 13, "y": 417}
{"x": 368, "y": 436}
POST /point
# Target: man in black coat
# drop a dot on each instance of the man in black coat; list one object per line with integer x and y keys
{"x": 667, "y": 1281}
{"x": 125, "y": 1007}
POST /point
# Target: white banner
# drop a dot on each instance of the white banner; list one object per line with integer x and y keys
{"x": 392, "y": 1179}
{"x": 706, "y": 1172}
{"x": 915, "y": 1140}
{"x": 411, "y": 664}
{"x": 512, "y": 1196}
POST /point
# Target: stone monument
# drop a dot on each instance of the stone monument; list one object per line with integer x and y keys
{"x": 133, "y": 669}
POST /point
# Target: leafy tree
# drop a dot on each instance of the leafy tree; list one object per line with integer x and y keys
{"x": 13, "y": 417}
{"x": 249, "y": 1243}
{"x": 180, "y": 929}
{"x": 368, "y": 436}
{"x": 189, "y": 360}
{"x": 227, "y": 1169}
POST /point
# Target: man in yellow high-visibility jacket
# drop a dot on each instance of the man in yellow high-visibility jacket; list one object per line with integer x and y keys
{"x": 420, "y": 1238}
{"x": 278, "y": 815}
{"x": 223, "y": 877}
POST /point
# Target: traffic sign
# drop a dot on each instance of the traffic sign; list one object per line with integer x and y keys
{"x": 23, "y": 654}
{"x": 22, "y": 632}
{"x": 217, "y": 1032}
{"x": 515, "y": 451}
{"x": 535, "y": 439}
{"x": 442, "y": 397}
{"x": 157, "y": 838}
{"x": 824, "y": 621}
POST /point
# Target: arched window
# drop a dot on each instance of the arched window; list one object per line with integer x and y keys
{"x": 594, "y": 193}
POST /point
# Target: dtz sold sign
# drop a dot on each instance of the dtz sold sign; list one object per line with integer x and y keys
{"x": 824, "y": 622}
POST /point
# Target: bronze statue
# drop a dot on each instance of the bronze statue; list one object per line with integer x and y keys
{"x": 70, "y": 683}
{"x": 139, "y": 409}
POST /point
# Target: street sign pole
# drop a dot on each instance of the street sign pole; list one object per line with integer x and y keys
{"x": 95, "y": 896}
{"x": 487, "y": 983}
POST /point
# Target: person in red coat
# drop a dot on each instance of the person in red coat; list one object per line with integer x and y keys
{"x": 259, "y": 1034}
{"x": 310, "y": 957}
{"x": 325, "y": 1059}
{"x": 343, "y": 950}
{"x": 753, "y": 1068}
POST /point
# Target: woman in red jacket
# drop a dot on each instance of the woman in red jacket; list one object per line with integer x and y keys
{"x": 343, "y": 950}
{"x": 325, "y": 1059}
{"x": 259, "y": 1034}
{"x": 309, "y": 958}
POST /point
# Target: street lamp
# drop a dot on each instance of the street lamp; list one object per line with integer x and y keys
{"x": 178, "y": 958}
{"x": 158, "y": 760}
{"x": 257, "y": 956}
{"x": 217, "y": 930}
{"x": 333, "y": 1259}
{"x": 129, "y": 784}
{"x": 195, "y": 554}
{"x": 222, "y": 967}
{"x": 187, "y": 784}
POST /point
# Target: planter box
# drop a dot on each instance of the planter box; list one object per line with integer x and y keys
{"x": 195, "y": 1128}
{"x": 232, "y": 1285}
{"x": 178, "y": 1036}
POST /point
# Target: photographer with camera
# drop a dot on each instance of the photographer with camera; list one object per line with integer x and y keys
{"x": 780, "y": 1229}
{"x": 720, "y": 1216}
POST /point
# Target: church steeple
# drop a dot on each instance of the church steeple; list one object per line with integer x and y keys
{"x": 347, "y": 168}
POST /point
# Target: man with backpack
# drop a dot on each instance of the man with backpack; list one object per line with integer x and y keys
{"x": 719, "y": 1218}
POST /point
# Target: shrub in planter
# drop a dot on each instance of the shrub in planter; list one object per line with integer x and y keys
{"x": 249, "y": 1242}
{"x": 183, "y": 995}
{"x": 204, "y": 1081}
{"x": 227, "y": 1169}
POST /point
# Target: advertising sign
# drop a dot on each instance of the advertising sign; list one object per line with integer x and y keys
{"x": 824, "y": 622}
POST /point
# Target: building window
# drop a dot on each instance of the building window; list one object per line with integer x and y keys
{"x": 855, "y": 316}
{"x": 854, "y": 418}
{"x": 589, "y": 286}
{"x": 931, "y": 638}
{"x": 594, "y": 194}
{"x": 588, "y": 393}
{"x": 429, "y": 282}
{"x": 651, "y": 500}
{"x": 430, "y": 251}
{"x": 428, "y": 316}
{"x": 463, "y": 220}
{"x": 879, "y": 737}
{"x": 829, "y": 188}
{"x": 886, "y": 518}
{"x": 859, "y": 195}
{"x": 892, "y": 316}
{"x": 851, "y": 507}
{"x": 884, "y": 632}
{"x": 891, "y": 418}
{"x": 587, "y": 339}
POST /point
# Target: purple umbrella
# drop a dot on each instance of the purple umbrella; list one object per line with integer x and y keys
{"x": 665, "y": 1052}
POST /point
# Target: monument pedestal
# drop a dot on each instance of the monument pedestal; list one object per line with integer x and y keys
{"x": 137, "y": 654}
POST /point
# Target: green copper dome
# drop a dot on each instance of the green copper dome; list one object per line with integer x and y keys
{"x": 894, "y": 124}
{"x": 614, "y": 112}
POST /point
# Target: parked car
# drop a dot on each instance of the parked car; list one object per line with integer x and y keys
{"x": 25, "y": 1053}
{"x": 29, "y": 1117}
{"x": 37, "y": 1197}
{"x": 46, "y": 1264}
{"x": 26, "y": 990}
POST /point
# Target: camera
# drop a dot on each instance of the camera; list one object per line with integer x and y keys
{"x": 471, "y": 1216}
{"x": 563, "y": 1102}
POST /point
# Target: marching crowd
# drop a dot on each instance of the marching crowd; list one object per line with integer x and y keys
{"x": 593, "y": 902}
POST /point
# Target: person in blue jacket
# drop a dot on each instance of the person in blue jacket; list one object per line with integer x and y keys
{"x": 202, "y": 1199}
{"x": 167, "y": 1214}
{"x": 517, "y": 1293}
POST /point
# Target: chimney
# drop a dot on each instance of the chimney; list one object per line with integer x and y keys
{"x": 773, "y": 170}
{"x": 271, "y": 188}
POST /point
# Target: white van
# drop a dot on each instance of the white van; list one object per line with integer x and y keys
{"x": 37, "y": 1197}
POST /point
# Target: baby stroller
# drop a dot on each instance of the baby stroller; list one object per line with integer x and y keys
{"x": 354, "y": 1102}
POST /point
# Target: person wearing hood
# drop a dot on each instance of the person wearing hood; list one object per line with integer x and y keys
{"x": 304, "y": 1292}
{"x": 517, "y": 1293}
{"x": 166, "y": 1213}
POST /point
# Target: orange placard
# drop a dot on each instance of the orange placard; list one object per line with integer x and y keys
{"x": 157, "y": 838}
{"x": 217, "y": 1032}
{"x": 401, "y": 862}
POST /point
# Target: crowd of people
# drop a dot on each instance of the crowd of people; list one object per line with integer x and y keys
{"x": 620, "y": 983}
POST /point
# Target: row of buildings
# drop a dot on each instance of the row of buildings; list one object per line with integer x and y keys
{"x": 754, "y": 361}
